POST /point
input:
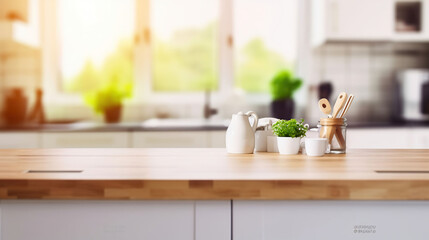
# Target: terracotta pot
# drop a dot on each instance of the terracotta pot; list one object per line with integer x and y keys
{"x": 112, "y": 114}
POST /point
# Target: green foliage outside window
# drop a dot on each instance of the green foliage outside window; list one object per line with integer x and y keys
{"x": 110, "y": 84}
{"x": 256, "y": 65}
{"x": 117, "y": 67}
{"x": 187, "y": 62}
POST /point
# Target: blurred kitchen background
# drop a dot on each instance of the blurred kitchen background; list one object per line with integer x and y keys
{"x": 169, "y": 73}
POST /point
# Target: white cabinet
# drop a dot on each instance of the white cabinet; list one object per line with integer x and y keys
{"x": 388, "y": 138}
{"x": 19, "y": 140}
{"x": 86, "y": 140}
{"x": 112, "y": 220}
{"x": 179, "y": 139}
{"x": 359, "y": 19}
{"x": 337, "y": 220}
{"x": 18, "y": 8}
{"x": 213, "y": 220}
{"x": 170, "y": 139}
{"x": 420, "y": 138}
{"x": 149, "y": 139}
{"x": 364, "y": 20}
{"x": 217, "y": 139}
{"x": 423, "y": 34}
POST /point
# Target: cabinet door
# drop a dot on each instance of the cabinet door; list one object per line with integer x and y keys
{"x": 217, "y": 139}
{"x": 359, "y": 19}
{"x": 338, "y": 220}
{"x": 420, "y": 138}
{"x": 19, "y": 140}
{"x": 86, "y": 140}
{"x": 170, "y": 139}
{"x": 112, "y": 220}
{"x": 388, "y": 138}
{"x": 213, "y": 220}
{"x": 97, "y": 220}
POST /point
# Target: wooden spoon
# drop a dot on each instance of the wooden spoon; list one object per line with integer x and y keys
{"x": 348, "y": 103}
{"x": 339, "y": 104}
{"x": 338, "y": 132}
{"x": 325, "y": 106}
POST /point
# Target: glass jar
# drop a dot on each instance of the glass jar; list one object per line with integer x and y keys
{"x": 334, "y": 129}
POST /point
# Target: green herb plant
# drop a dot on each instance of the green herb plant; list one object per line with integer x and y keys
{"x": 291, "y": 128}
{"x": 284, "y": 85}
{"x": 112, "y": 94}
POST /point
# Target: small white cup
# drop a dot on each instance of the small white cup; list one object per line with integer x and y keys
{"x": 316, "y": 147}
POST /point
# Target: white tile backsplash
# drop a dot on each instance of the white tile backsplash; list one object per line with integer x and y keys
{"x": 368, "y": 71}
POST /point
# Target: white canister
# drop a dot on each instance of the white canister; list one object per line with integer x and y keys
{"x": 261, "y": 140}
{"x": 261, "y": 136}
{"x": 272, "y": 144}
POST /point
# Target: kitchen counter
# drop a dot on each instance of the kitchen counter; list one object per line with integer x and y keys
{"x": 211, "y": 174}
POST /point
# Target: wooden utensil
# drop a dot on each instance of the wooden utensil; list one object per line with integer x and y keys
{"x": 338, "y": 133}
{"x": 339, "y": 104}
{"x": 325, "y": 106}
{"x": 340, "y": 138}
{"x": 348, "y": 103}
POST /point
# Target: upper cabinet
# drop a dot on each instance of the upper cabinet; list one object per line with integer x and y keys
{"x": 14, "y": 10}
{"x": 359, "y": 19}
{"x": 411, "y": 20}
{"x": 369, "y": 20}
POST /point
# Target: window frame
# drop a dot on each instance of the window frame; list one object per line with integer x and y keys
{"x": 143, "y": 58}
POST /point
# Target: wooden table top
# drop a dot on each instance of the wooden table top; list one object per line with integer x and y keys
{"x": 211, "y": 174}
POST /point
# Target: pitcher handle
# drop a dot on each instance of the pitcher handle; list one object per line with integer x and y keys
{"x": 256, "y": 119}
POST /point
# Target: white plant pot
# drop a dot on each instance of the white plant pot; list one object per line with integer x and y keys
{"x": 288, "y": 145}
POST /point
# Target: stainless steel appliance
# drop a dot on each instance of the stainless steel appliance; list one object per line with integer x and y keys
{"x": 414, "y": 94}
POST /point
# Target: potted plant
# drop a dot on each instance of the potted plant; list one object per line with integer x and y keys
{"x": 282, "y": 87}
{"x": 289, "y": 134}
{"x": 108, "y": 100}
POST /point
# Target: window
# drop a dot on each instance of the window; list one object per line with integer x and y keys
{"x": 265, "y": 41}
{"x": 184, "y": 44}
{"x": 95, "y": 43}
{"x": 167, "y": 46}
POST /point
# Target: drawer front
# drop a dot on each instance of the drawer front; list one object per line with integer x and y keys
{"x": 337, "y": 220}
{"x": 86, "y": 140}
{"x": 105, "y": 220}
{"x": 170, "y": 139}
{"x": 99, "y": 220}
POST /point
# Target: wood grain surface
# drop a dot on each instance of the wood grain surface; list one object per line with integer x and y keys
{"x": 211, "y": 174}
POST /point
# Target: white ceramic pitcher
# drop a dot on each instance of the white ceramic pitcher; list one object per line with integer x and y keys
{"x": 240, "y": 135}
